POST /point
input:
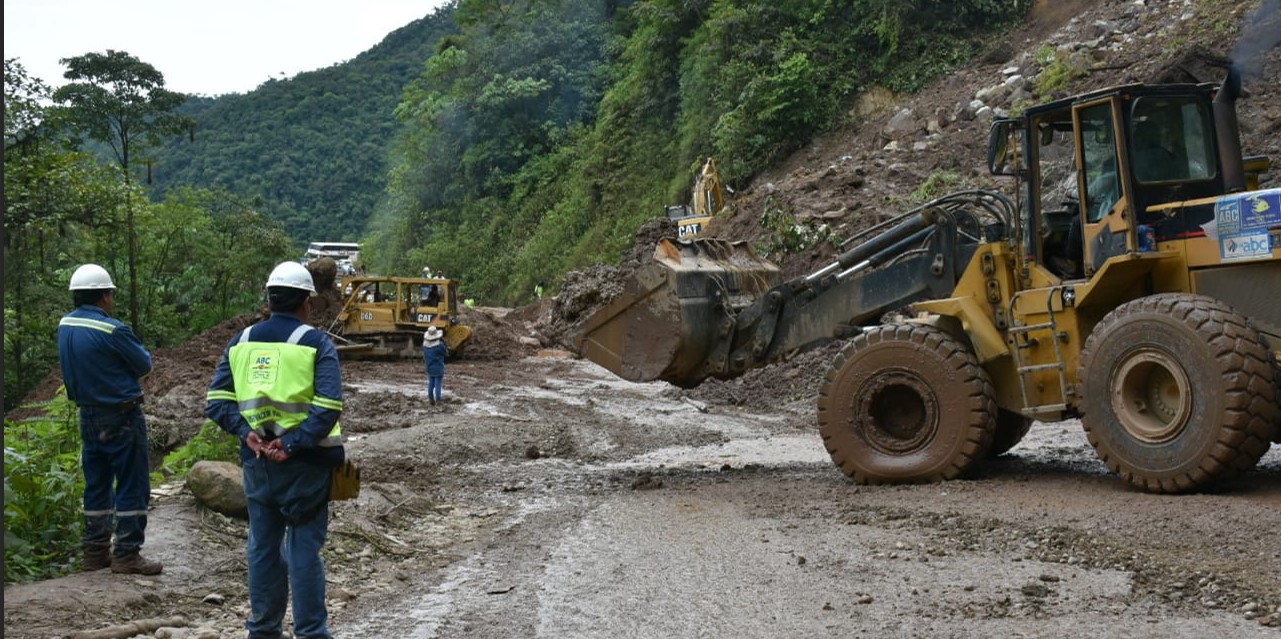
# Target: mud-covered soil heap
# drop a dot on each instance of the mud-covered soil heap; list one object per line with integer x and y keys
{"x": 328, "y": 300}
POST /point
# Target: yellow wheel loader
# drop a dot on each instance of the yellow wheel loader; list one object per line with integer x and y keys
{"x": 1133, "y": 280}
{"x": 385, "y": 317}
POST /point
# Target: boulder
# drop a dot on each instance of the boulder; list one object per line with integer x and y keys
{"x": 220, "y": 487}
{"x": 903, "y": 123}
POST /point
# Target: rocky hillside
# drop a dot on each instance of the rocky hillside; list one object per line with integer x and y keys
{"x": 870, "y": 170}
{"x": 854, "y": 176}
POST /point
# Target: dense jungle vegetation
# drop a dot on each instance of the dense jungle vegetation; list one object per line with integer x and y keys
{"x": 502, "y": 142}
{"x": 545, "y": 133}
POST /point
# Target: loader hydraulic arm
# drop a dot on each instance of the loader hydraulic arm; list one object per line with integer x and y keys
{"x": 915, "y": 259}
{"x": 707, "y": 308}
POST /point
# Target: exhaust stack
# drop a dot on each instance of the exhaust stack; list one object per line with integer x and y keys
{"x": 1229, "y": 132}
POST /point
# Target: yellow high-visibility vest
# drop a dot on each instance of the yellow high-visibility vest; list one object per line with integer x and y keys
{"x": 275, "y": 385}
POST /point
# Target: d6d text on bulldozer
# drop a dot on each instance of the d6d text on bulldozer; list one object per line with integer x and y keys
{"x": 1134, "y": 281}
{"x": 384, "y": 317}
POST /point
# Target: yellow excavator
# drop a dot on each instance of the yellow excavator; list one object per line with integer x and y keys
{"x": 1132, "y": 278}
{"x": 707, "y": 200}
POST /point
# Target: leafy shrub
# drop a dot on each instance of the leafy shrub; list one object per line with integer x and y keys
{"x": 43, "y": 488}
{"x": 786, "y": 235}
{"x": 938, "y": 184}
{"x": 211, "y": 443}
{"x": 1058, "y": 69}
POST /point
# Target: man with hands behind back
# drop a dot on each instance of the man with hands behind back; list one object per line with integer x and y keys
{"x": 278, "y": 389}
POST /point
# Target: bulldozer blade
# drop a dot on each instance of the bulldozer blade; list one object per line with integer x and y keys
{"x": 456, "y": 337}
{"x": 677, "y": 312}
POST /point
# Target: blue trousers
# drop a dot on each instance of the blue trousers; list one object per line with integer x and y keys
{"x": 434, "y": 384}
{"x": 288, "y": 523}
{"x": 117, "y": 469}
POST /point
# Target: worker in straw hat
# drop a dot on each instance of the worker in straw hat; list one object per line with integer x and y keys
{"x": 434, "y": 354}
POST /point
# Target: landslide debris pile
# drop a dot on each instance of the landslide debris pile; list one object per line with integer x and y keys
{"x": 328, "y": 300}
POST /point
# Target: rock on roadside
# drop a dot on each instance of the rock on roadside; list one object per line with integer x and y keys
{"x": 219, "y": 486}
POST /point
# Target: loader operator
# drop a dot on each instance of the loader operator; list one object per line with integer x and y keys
{"x": 278, "y": 389}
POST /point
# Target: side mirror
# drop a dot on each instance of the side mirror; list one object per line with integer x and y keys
{"x": 1005, "y": 148}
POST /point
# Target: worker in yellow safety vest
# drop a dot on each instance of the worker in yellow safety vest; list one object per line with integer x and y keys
{"x": 278, "y": 389}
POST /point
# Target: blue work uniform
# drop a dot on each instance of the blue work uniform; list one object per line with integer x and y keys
{"x": 434, "y": 356}
{"x": 102, "y": 363}
{"x": 281, "y": 379}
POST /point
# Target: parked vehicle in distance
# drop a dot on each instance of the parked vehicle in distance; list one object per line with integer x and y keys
{"x": 339, "y": 251}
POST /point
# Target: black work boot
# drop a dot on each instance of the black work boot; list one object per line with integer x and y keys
{"x": 134, "y": 564}
{"x": 96, "y": 558}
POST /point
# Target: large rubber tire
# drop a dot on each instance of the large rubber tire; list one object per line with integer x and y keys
{"x": 1178, "y": 392}
{"x": 1276, "y": 376}
{"x": 1011, "y": 428}
{"x": 906, "y": 403}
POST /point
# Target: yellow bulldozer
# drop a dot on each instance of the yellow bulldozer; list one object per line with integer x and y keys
{"x": 1133, "y": 279}
{"x": 385, "y": 317}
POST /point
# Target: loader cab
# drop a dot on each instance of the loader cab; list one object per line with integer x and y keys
{"x": 1164, "y": 140}
{"x": 1100, "y": 167}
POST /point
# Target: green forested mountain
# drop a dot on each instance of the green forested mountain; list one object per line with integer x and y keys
{"x": 313, "y": 149}
{"x": 501, "y": 142}
{"x": 504, "y": 142}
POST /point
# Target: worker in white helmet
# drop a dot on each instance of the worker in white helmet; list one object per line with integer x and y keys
{"x": 278, "y": 389}
{"x": 103, "y": 363}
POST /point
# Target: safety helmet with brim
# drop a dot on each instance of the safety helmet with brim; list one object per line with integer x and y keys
{"x": 291, "y": 275}
{"x": 91, "y": 277}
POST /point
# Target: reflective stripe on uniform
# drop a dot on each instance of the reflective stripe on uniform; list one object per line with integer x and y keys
{"x": 325, "y": 402}
{"x": 267, "y": 402}
{"x": 83, "y": 322}
{"x": 131, "y": 513}
{"x": 278, "y": 431}
{"x": 295, "y": 336}
{"x": 98, "y": 513}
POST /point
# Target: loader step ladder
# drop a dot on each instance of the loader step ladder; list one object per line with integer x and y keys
{"x": 1019, "y": 333}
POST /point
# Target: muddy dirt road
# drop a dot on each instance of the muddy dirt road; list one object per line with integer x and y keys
{"x": 547, "y": 498}
{"x": 653, "y": 518}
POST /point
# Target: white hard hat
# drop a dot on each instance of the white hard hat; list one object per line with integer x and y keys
{"x": 90, "y": 277}
{"x": 432, "y": 334}
{"x": 291, "y": 275}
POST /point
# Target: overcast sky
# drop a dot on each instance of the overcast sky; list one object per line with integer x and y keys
{"x": 207, "y": 48}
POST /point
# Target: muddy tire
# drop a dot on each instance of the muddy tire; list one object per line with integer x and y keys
{"x": 1178, "y": 392}
{"x": 906, "y": 403}
{"x": 1276, "y": 376}
{"x": 1011, "y": 428}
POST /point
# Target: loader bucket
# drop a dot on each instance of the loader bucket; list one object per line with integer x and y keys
{"x": 676, "y": 313}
